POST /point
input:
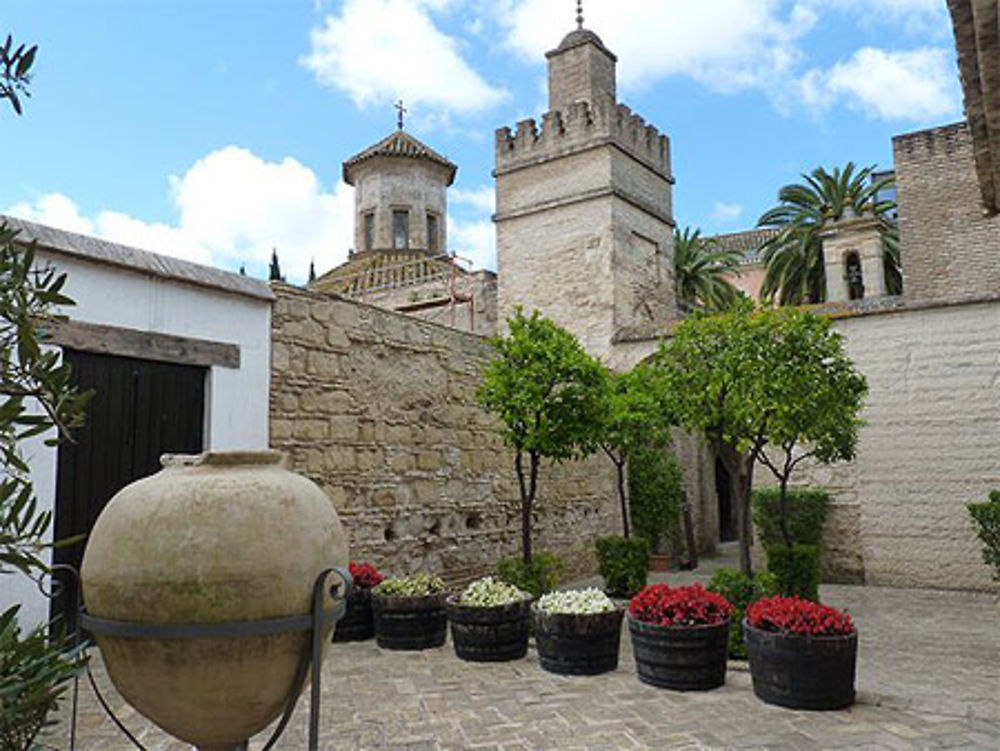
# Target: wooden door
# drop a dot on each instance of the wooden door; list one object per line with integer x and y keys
{"x": 140, "y": 410}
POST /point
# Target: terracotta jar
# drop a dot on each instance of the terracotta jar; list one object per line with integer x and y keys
{"x": 217, "y": 538}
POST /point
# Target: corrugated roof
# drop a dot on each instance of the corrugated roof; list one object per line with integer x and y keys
{"x": 104, "y": 251}
{"x": 399, "y": 144}
{"x": 747, "y": 244}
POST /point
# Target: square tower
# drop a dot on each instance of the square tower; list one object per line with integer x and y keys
{"x": 584, "y": 215}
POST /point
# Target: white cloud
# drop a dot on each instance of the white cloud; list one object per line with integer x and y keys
{"x": 917, "y": 85}
{"x": 475, "y": 240}
{"x": 233, "y": 208}
{"x": 482, "y": 198}
{"x": 725, "y": 44}
{"x": 726, "y": 212}
{"x": 378, "y": 50}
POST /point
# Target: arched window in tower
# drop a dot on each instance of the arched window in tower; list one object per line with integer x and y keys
{"x": 854, "y": 276}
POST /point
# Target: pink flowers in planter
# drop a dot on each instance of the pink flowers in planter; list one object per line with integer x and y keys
{"x": 793, "y": 615}
{"x": 663, "y": 605}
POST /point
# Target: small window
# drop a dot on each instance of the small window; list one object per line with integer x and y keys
{"x": 369, "y": 231}
{"x": 400, "y": 230}
{"x": 432, "y": 232}
{"x": 855, "y": 277}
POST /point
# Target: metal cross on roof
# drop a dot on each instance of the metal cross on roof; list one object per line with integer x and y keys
{"x": 579, "y": 14}
{"x": 402, "y": 111}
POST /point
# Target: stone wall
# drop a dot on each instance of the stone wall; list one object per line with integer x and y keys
{"x": 378, "y": 408}
{"x": 949, "y": 245}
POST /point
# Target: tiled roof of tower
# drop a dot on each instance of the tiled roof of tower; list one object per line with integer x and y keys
{"x": 747, "y": 244}
{"x": 399, "y": 144}
{"x": 579, "y": 37}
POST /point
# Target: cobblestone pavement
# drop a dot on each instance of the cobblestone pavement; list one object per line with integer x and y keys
{"x": 928, "y": 678}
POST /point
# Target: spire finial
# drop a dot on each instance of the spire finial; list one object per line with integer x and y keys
{"x": 402, "y": 111}
{"x": 579, "y": 14}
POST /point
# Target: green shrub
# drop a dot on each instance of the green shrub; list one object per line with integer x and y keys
{"x": 741, "y": 592}
{"x": 418, "y": 585}
{"x": 797, "y": 570}
{"x": 987, "y": 518}
{"x": 538, "y": 578}
{"x": 624, "y": 564}
{"x": 806, "y": 514}
{"x": 654, "y": 487}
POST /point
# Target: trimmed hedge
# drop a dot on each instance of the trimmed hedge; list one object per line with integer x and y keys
{"x": 538, "y": 578}
{"x": 807, "y": 509}
{"x": 796, "y": 569}
{"x": 654, "y": 488}
{"x": 624, "y": 564}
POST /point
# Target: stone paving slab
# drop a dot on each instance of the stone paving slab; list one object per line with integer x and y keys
{"x": 928, "y": 678}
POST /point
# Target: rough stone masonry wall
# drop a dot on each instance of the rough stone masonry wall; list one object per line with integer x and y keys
{"x": 949, "y": 245}
{"x": 379, "y": 410}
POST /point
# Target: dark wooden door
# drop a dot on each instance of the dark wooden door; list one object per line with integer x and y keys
{"x": 727, "y": 512}
{"x": 140, "y": 410}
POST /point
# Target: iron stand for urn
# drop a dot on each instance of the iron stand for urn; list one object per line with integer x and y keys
{"x": 309, "y": 665}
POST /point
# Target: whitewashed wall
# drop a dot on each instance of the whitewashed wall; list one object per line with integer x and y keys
{"x": 236, "y": 399}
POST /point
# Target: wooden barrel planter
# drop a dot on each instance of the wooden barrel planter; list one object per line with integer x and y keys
{"x": 409, "y": 622}
{"x": 683, "y": 658}
{"x": 489, "y": 634}
{"x": 358, "y": 622}
{"x": 578, "y": 643}
{"x": 802, "y": 672}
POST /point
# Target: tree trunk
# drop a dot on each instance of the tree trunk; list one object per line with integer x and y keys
{"x": 783, "y": 510}
{"x": 527, "y": 506}
{"x": 623, "y": 499}
{"x": 740, "y": 468}
{"x": 525, "y": 510}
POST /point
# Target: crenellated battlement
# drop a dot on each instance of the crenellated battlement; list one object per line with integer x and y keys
{"x": 580, "y": 126}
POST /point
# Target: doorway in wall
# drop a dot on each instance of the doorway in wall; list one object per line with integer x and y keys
{"x": 140, "y": 410}
{"x": 727, "y": 515}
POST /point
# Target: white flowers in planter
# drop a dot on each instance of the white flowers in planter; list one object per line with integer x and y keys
{"x": 489, "y": 592}
{"x": 576, "y": 602}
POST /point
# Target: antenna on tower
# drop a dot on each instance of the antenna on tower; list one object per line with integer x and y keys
{"x": 579, "y": 14}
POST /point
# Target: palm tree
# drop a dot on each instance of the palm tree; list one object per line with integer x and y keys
{"x": 700, "y": 271}
{"x": 794, "y": 256}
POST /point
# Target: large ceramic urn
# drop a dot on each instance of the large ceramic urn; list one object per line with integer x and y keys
{"x": 218, "y": 538}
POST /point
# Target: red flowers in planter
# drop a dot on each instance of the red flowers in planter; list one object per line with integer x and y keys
{"x": 365, "y": 575}
{"x": 663, "y": 605}
{"x": 793, "y": 615}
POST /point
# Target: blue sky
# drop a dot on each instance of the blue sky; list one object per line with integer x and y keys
{"x": 215, "y": 130}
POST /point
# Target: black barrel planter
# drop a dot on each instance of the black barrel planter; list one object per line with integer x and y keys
{"x": 802, "y": 672}
{"x": 578, "y": 644}
{"x": 409, "y": 622}
{"x": 489, "y": 634}
{"x": 683, "y": 658}
{"x": 358, "y": 623}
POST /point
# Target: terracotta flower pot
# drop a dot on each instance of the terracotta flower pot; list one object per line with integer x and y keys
{"x": 216, "y": 538}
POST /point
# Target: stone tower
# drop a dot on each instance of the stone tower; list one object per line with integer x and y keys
{"x": 400, "y": 200}
{"x": 584, "y": 216}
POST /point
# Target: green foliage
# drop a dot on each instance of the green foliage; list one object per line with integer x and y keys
{"x": 807, "y": 509}
{"x": 549, "y": 395}
{"x": 418, "y": 585}
{"x": 986, "y": 515}
{"x": 701, "y": 269}
{"x": 34, "y": 675}
{"x": 775, "y": 378}
{"x": 537, "y": 577}
{"x": 741, "y": 591}
{"x": 15, "y": 71}
{"x": 796, "y": 569}
{"x": 794, "y": 257}
{"x": 624, "y": 564}
{"x": 28, "y": 374}
{"x": 654, "y": 486}
{"x": 544, "y": 387}
{"x": 636, "y": 413}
